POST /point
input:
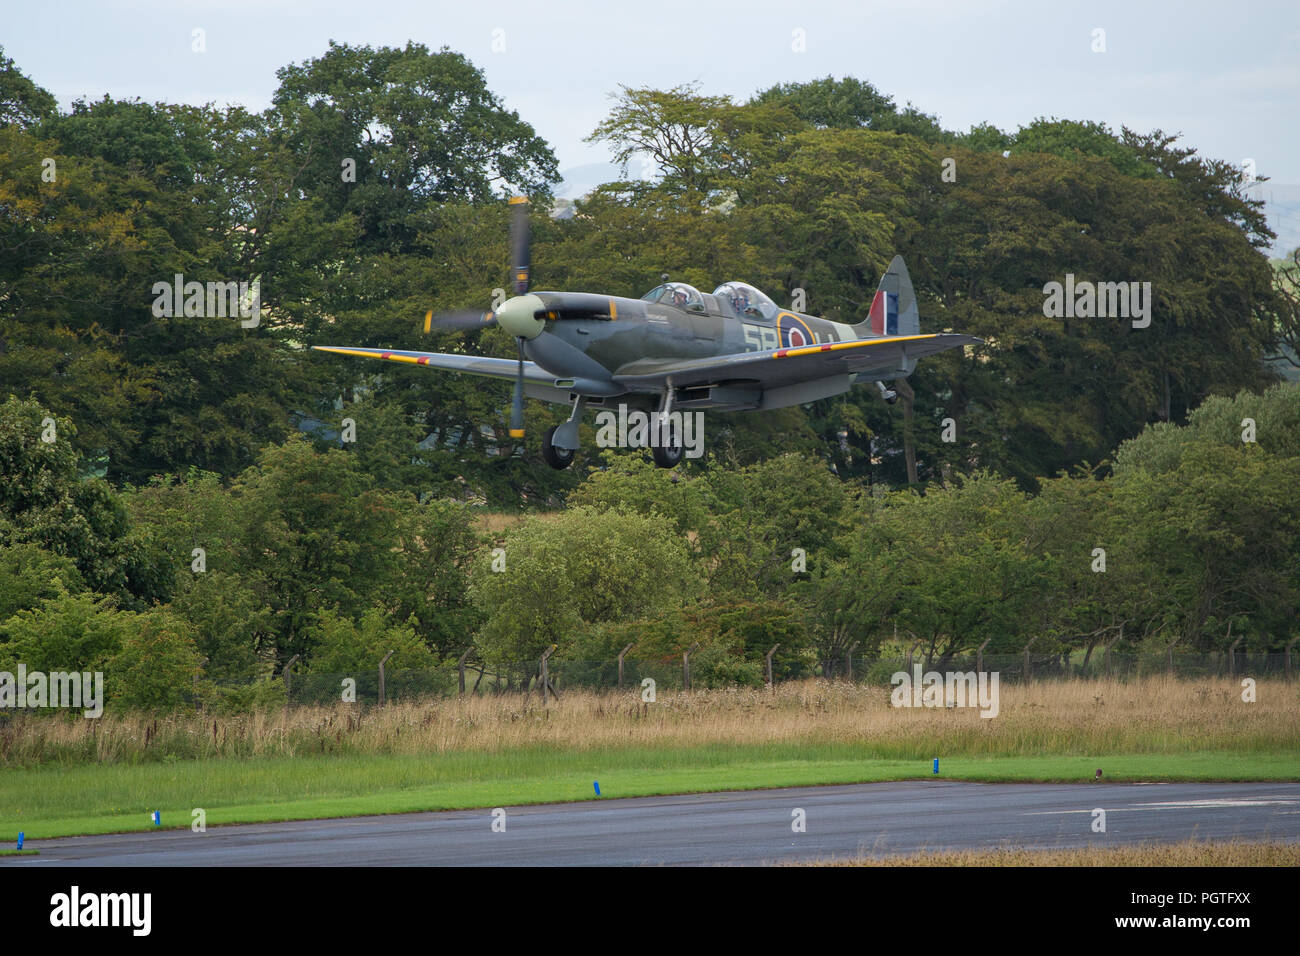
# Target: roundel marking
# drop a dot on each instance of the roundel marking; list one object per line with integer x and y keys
{"x": 793, "y": 335}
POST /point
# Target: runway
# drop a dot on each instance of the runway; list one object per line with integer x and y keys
{"x": 751, "y": 827}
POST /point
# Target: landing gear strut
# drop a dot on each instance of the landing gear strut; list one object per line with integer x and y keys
{"x": 561, "y": 441}
{"x": 888, "y": 394}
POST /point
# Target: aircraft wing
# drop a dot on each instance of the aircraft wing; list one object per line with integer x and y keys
{"x": 791, "y": 366}
{"x": 538, "y": 383}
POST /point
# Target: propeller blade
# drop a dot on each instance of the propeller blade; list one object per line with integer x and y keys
{"x": 458, "y": 320}
{"x": 517, "y": 402}
{"x": 520, "y": 253}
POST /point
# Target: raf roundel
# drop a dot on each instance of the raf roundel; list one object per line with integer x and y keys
{"x": 793, "y": 333}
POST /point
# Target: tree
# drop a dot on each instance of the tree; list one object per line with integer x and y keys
{"x": 30, "y": 575}
{"x": 677, "y": 129}
{"x": 44, "y": 500}
{"x": 157, "y": 665}
{"x": 575, "y": 569}
{"x": 417, "y": 127}
{"x": 850, "y": 103}
{"x": 22, "y": 102}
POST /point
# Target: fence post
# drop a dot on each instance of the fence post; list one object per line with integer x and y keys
{"x": 848, "y": 660}
{"x": 1169, "y": 651}
{"x": 622, "y": 654}
{"x": 979, "y": 656}
{"x": 686, "y": 666}
{"x": 198, "y": 704}
{"x": 546, "y": 677}
{"x": 381, "y": 676}
{"x": 1032, "y": 640}
{"x": 460, "y": 668}
{"x": 288, "y": 679}
{"x": 1109, "y": 644}
{"x": 769, "y": 665}
{"x": 1232, "y": 652}
{"x": 910, "y": 651}
{"x": 1288, "y": 656}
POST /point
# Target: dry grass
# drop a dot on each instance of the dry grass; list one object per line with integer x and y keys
{"x": 1189, "y": 853}
{"x": 1154, "y": 715}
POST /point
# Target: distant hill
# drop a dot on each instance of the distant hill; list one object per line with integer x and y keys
{"x": 577, "y": 181}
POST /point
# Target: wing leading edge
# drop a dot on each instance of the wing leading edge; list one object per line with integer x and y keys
{"x": 474, "y": 364}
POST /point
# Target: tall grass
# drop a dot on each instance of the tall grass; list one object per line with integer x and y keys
{"x": 1150, "y": 715}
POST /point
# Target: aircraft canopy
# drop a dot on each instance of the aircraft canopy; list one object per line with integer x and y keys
{"x": 744, "y": 299}
{"x": 678, "y": 294}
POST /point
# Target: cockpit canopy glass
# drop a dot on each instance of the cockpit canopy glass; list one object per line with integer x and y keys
{"x": 678, "y": 294}
{"x": 744, "y": 299}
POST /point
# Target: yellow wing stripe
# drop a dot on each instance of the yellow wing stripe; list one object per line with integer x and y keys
{"x": 855, "y": 344}
{"x": 409, "y": 359}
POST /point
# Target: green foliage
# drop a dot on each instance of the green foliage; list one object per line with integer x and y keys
{"x": 22, "y": 102}
{"x": 1222, "y": 421}
{"x": 1070, "y": 139}
{"x": 344, "y": 646}
{"x": 575, "y": 569}
{"x": 44, "y": 500}
{"x": 78, "y": 632}
{"x": 420, "y": 128}
{"x": 157, "y": 666}
{"x": 29, "y": 575}
{"x": 850, "y": 103}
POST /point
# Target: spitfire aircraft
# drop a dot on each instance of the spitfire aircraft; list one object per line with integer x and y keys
{"x": 677, "y": 348}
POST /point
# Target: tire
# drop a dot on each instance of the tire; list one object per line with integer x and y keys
{"x": 557, "y": 458}
{"x": 668, "y": 456}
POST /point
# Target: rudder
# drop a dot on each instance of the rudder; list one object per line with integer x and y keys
{"x": 893, "y": 309}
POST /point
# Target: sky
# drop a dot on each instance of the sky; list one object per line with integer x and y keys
{"x": 1224, "y": 76}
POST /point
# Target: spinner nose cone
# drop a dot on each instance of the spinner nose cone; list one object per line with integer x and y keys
{"x": 518, "y": 316}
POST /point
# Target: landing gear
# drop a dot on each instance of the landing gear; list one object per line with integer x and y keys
{"x": 557, "y": 458}
{"x": 668, "y": 452}
{"x": 888, "y": 394}
{"x": 561, "y": 441}
{"x": 666, "y": 447}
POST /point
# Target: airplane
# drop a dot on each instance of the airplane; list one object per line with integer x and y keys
{"x": 677, "y": 348}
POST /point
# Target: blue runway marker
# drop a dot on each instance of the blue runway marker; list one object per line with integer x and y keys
{"x": 596, "y": 784}
{"x": 20, "y": 840}
{"x": 157, "y": 818}
{"x": 936, "y": 765}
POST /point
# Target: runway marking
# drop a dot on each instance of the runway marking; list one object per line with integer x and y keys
{"x": 1223, "y": 803}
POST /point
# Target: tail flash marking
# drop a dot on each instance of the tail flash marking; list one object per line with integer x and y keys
{"x": 884, "y": 313}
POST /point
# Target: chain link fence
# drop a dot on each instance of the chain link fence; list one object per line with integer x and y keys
{"x": 657, "y": 676}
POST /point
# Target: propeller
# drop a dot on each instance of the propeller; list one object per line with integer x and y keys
{"x": 517, "y": 315}
{"x": 460, "y": 320}
{"x": 517, "y": 401}
{"x": 519, "y": 243}
{"x": 520, "y": 257}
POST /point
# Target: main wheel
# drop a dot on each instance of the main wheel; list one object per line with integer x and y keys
{"x": 557, "y": 458}
{"x": 667, "y": 455}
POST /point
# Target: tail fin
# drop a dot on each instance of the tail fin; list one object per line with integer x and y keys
{"x": 893, "y": 310}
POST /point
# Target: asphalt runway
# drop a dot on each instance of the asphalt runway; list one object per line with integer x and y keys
{"x": 750, "y": 827}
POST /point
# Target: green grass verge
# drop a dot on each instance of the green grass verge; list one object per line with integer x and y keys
{"x": 57, "y": 801}
{"x": 20, "y": 852}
